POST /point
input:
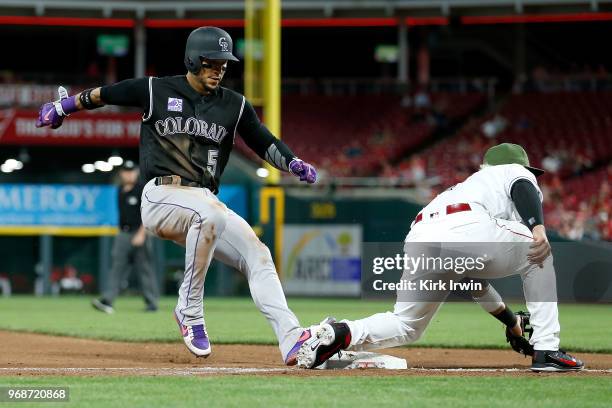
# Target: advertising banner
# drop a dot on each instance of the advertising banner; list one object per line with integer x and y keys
{"x": 82, "y": 129}
{"x": 78, "y": 210}
{"x": 322, "y": 260}
{"x": 33, "y": 209}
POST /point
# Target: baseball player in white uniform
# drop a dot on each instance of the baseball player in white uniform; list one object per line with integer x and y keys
{"x": 495, "y": 213}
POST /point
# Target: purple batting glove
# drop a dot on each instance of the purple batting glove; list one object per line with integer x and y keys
{"x": 306, "y": 172}
{"x": 53, "y": 113}
{"x": 48, "y": 116}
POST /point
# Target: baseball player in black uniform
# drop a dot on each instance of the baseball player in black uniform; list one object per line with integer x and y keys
{"x": 189, "y": 124}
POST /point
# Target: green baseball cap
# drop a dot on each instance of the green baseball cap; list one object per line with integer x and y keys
{"x": 509, "y": 153}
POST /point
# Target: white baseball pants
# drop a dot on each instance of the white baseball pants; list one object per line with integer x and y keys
{"x": 413, "y": 312}
{"x": 195, "y": 219}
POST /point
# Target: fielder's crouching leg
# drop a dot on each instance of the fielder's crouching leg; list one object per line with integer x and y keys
{"x": 405, "y": 325}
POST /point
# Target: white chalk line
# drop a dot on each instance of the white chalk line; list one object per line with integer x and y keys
{"x": 236, "y": 370}
{"x": 498, "y": 370}
{"x": 141, "y": 370}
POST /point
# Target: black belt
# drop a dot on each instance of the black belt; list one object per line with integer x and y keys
{"x": 175, "y": 180}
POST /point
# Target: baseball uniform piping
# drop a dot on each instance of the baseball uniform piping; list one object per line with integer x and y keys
{"x": 514, "y": 232}
{"x": 145, "y": 118}
{"x": 239, "y": 116}
{"x": 196, "y": 245}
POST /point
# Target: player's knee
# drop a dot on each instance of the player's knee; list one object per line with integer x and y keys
{"x": 216, "y": 219}
{"x": 411, "y": 333}
{"x": 412, "y": 329}
{"x": 262, "y": 250}
{"x": 258, "y": 261}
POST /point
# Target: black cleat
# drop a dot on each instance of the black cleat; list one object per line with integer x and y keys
{"x": 546, "y": 360}
{"x": 150, "y": 307}
{"x": 327, "y": 340}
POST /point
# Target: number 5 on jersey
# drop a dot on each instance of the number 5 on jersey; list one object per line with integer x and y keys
{"x": 212, "y": 161}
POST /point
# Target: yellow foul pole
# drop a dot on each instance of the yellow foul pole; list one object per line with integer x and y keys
{"x": 252, "y": 31}
{"x": 249, "y": 36}
{"x": 272, "y": 74}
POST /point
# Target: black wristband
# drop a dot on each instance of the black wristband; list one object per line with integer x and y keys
{"x": 85, "y": 98}
{"x": 507, "y": 317}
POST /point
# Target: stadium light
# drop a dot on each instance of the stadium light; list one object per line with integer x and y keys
{"x": 115, "y": 160}
{"x": 262, "y": 172}
{"x": 6, "y": 169}
{"x": 103, "y": 166}
{"x": 12, "y": 164}
{"x": 88, "y": 168}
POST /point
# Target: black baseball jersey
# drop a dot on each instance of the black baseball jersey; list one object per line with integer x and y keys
{"x": 191, "y": 135}
{"x": 129, "y": 208}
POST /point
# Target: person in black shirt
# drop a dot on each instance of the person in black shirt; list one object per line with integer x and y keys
{"x": 131, "y": 248}
{"x": 189, "y": 124}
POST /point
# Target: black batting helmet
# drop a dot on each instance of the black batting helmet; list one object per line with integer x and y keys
{"x": 207, "y": 42}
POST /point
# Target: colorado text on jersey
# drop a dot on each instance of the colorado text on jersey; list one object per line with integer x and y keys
{"x": 192, "y": 126}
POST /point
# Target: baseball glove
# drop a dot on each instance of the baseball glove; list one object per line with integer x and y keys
{"x": 520, "y": 344}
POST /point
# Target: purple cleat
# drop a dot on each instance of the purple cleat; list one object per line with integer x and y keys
{"x": 195, "y": 338}
{"x": 291, "y": 358}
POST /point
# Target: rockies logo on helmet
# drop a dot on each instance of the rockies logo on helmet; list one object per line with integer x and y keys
{"x": 207, "y": 42}
{"x": 223, "y": 44}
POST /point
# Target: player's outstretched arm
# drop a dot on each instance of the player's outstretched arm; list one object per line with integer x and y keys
{"x": 271, "y": 149}
{"x": 131, "y": 92}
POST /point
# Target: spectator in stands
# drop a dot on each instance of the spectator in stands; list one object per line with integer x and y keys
{"x": 540, "y": 77}
{"x": 406, "y": 101}
{"x": 381, "y": 137}
{"x": 422, "y": 100}
{"x": 522, "y": 123}
{"x": 132, "y": 248}
{"x": 591, "y": 230}
{"x": 551, "y": 163}
{"x": 493, "y": 127}
{"x": 422, "y": 104}
{"x": 353, "y": 150}
{"x": 519, "y": 84}
{"x": 417, "y": 169}
{"x": 582, "y": 160}
{"x": 437, "y": 115}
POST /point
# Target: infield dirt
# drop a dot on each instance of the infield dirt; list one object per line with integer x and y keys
{"x": 37, "y": 354}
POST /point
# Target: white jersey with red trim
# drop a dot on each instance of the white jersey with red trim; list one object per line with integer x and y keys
{"x": 488, "y": 189}
{"x": 490, "y": 230}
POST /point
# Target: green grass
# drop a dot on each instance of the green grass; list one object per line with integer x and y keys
{"x": 236, "y": 320}
{"x": 251, "y": 391}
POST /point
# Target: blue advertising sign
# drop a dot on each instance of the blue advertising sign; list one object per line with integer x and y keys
{"x": 43, "y": 208}
{"x": 73, "y": 209}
